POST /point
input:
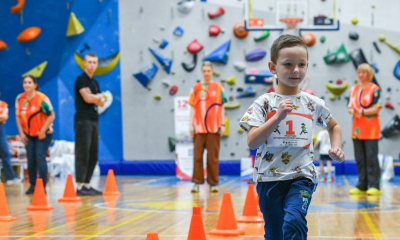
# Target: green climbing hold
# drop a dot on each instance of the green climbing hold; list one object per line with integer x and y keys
{"x": 264, "y": 35}
{"x": 322, "y": 39}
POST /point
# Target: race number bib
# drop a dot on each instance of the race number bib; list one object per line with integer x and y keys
{"x": 294, "y": 131}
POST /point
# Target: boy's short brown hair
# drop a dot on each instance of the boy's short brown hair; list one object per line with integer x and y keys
{"x": 285, "y": 41}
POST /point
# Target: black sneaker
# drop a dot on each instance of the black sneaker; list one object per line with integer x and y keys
{"x": 84, "y": 192}
{"x": 31, "y": 190}
{"x": 95, "y": 192}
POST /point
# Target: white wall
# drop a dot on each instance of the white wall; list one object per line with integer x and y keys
{"x": 148, "y": 123}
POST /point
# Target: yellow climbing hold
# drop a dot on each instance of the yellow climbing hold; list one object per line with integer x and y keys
{"x": 240, "y": 130}
{"x": 391, "y": 45}
{"x": 157, "y": 97}
{"x": 227, "y": 129}
{"x": 381, "y": 38}
{"x": 36, "y": 71}
{"x": 354, "y": 20}
{"x": 105, "y": 65}
{"x": 231, "y": 105}
{"x": 337, "y": 89}
{"x": 231, "y": 80}
{"x": 74, "y": 26}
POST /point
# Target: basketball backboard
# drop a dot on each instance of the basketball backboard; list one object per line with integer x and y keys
{"x": 279, "y": 15}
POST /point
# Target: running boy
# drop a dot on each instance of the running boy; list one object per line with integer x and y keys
{"x": 287, "y": 178}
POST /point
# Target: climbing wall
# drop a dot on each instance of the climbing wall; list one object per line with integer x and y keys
{"x": 147, "y": 116}
{"x": 94, "y": 29}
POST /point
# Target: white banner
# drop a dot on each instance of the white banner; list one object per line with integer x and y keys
{"x": 184, "y": 144}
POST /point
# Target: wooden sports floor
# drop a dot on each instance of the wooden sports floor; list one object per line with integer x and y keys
{"x": 164, "y": 205}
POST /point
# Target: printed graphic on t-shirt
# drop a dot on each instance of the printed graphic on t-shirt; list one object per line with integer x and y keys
{"x": 292, "y": 131}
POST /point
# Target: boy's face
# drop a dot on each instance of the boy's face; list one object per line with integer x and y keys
{"x": 291, "y": 66}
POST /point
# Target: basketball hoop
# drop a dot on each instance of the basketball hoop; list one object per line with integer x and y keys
{"x": 291, "y": 22}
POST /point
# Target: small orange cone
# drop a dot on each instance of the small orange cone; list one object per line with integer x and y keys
{"x": 227, "y": 225}
{"x": 152, "y": 236}
{"x": 196, "y": 230}
{"x": 69, "y": 192}
{"x": 4, "y": 214}
{"x": 4, "y": 226}
{"x": 250, "y": 213}
{"x": 111, "y": 185}
{"x": 39, "y": 201}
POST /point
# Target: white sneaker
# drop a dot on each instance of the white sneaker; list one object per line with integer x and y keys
{"x": 14, "y": 181}
{"x": 195, "y": 188}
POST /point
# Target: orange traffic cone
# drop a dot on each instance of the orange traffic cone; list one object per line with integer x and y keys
{"x": 4, "y": 214}
{"x": 69, "y": 192}
{"x": 196, "y": 230}
{"x": 226, "y": 225}
{"x": 152, "y": 236}
{"x": 39, "y": 201}
{"x": 250, "y": 213}
{"x": 4, "y": 226}
{"x": 111, "y": 185}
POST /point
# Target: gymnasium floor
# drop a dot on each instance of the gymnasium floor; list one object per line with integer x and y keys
{"x": 164, "y": 205}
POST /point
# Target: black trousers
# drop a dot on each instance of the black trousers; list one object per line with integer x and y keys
{"x": 86, "y": 149}
{"x": 369, "y": 172}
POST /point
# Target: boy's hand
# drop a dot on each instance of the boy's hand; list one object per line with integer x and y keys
{"x": 285, "y": 107}
{"x": 336, "y": 154}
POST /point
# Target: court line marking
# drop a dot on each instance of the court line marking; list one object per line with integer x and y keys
{"x": 64, "y": 225}
{"x": 370, "y": 224}
{"x": 118, "y": 225}
{"x": 82, "y": 219}
{"x": 136, "y": 218}
{"x": 242, "y": 236}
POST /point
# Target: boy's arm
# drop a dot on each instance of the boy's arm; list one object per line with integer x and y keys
{"x": 316, "y": 144}
{"x": 335, "y": 135}
{"x": 258, "y": 135}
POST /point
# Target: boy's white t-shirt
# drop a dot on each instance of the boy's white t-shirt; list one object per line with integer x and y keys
{"x": 324, "y": 142}
{"x": 288, "y": 152}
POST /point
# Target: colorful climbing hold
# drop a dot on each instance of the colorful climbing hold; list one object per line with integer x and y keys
{"x": 173, "y": 90}
{"x": 239, "y": 30}
{"x": 263, "y": 36}
{"x": 216, "y": 13}
{"x": 3, "y": 45}
{"x": 214, "y": 30}
{"x": 18, "y": 8}
{"x": 29, "y": 34}
{"x": 74, "y": 26}
{"x": 36, "y": 71}
{"x": 194, "y": 47}
{"x": 354, "y": 20}
{"x": 309, "y": 39}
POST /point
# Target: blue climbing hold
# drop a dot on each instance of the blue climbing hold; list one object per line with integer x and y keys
{"x": 253, "y": 76}
{"x": 163, "y": 43}
{"x": 256, "y": 55}
{"x": 396, "y": 70}
{"x": 178, "y": 31}
{"x": 165, "y": 62}
{"x": 220, "y": 54}
{"x": 146, "y": 74}
{"x": 249, "y": 92}
{"x": 375, "y": 67}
